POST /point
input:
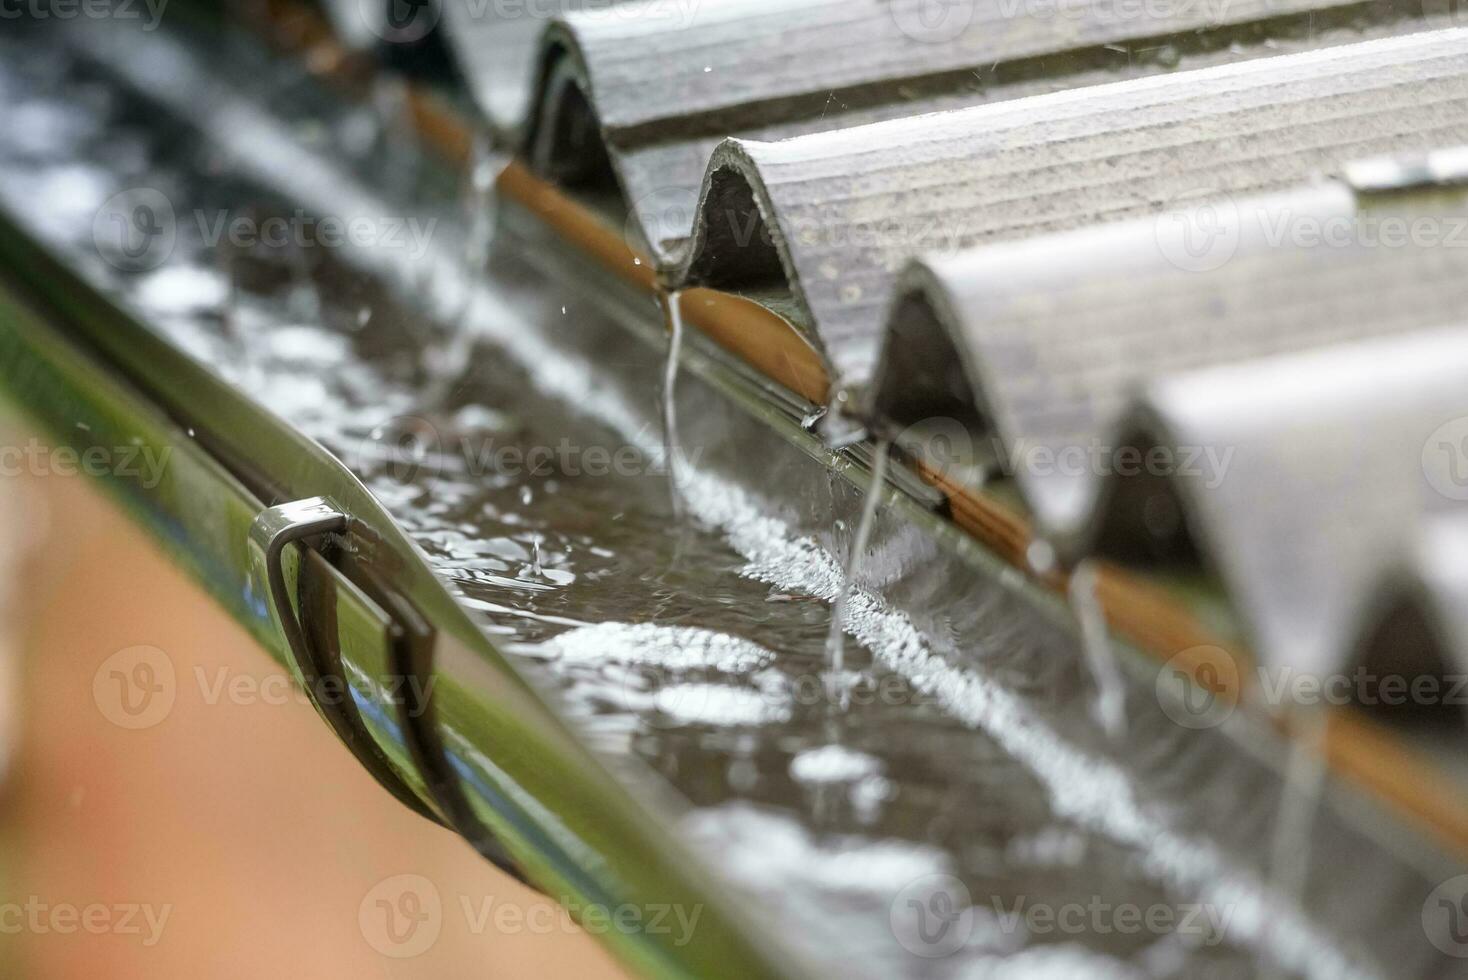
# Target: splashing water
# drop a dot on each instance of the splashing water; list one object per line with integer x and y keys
{"x": 1110, "y": 704}
{"x": 836, "y": 639}
{"x": 670, "y": 397}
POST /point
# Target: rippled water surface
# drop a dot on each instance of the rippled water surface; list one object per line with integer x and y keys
{"x": 695, "y": 644}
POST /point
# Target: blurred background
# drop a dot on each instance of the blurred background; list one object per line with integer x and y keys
{"x": 172, "y": 809}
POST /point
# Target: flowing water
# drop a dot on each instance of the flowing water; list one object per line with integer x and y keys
{"x": 673, "y": 304}
{"x": 935, "y": 827}
{"x": 1290, "y": 846}
{"x": 1110, "y": 704}
{"x": 836, "y": 637}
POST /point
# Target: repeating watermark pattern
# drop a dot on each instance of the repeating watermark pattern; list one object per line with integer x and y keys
{"x": 137, "y": 230}
{"x": 670, "y": 213}
{"x": 1202, "y": 231}
{"x": 1207, "y": 465}
{"x": 150, "y": 12}
{"x": 404, "y": 916}
{"x": 401, "y": 916}
{"x": 1193, "y": 686}
{"x": 400, "y": 21}
{"x": 1199, "y": 232}
{"x": 933, "y": 916}
{"x": 34, "y": 916}
{"x": 146, "y": 465}
{"x": 948, "y": 447}
{"x": 1203, "y": 923}
{"x": 933, "y": 21}
{"x": 1445, "y": 917}
{"x": 135, "y": 688}
{"x": 1445, "y": 459}
{"x": 671, "y": 698}
{"x": 408, "y": 447}
{"x": 673, "y": 211}
{"x": 138, "y": 687}
{"x": 1197, "y": 688}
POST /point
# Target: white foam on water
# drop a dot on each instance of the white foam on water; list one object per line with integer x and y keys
{"x": 717, "y": 705}
{"x": 1087, "y": 789}
{"x": 1061, "y": 961}
{"x": 770, "y": 848}
{"x": 833, "y": 764}
{"x": 674, "y": 648}
{"x": 178, "y": 290}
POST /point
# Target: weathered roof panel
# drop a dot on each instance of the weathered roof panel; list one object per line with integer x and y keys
{"x": 1331, "y": 480}
{"x": 1057, "y": 334}
{"x": 1281, "y": 350}
{"x": 847, "y": 208}
{"x": 653, "y": 86}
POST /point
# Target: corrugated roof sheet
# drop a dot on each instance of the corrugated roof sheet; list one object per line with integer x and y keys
{"x": 848, "y": 208}
{"x": 1332, "y": 480}
{"x": 804, "y": 152}
{"x": 657, "y": 84}
{"x": 1302, "y": 456}
{"x": 498, "y": 47}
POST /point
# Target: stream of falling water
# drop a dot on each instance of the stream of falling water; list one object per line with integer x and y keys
{"x": 1291, "y": 843}
{"x": 836, "y": 638}
{"x": 1109, "y": 706}
{"x": 446, "y": 358}
{"x": 673, "y": 307}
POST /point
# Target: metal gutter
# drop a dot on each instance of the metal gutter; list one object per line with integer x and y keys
{"x": 560, "y": 816}
{"x": 1146, "y": 612}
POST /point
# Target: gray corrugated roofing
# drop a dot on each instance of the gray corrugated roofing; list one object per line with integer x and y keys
{"x": 1332, "y": 479}
{"x": 849, "y": 207}
{"x": 1057, "y": 333}
{"x": 498, "y": 46}
{"x": 1301, "y": 454}
{"x": 863, "y": 135}
{"x": 661, "y": 82}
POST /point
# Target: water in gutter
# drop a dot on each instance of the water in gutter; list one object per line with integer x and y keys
{"x": 709, "y": 668}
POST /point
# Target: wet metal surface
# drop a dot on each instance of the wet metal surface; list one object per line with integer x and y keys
{"x": 962, "y": 816}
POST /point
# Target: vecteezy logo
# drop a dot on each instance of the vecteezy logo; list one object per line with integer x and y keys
{"x": 135, "y": 688}
{"x": 135, "y": 230}
{"x": 401, "y": 916}
{"x": 668, "y": 213}
{"x": 933, "y": 916}
{"x": 403, "y": 447}
{"x": 399, "y": 21}
{"x": 1445, "y": 917}
{"x": 946, "y": 449}
{"x": 933, "y": 21}
{"x": 1191, "y": 687}
{"x": 1199, "y": 232}
{"x": 1445, "y": 459}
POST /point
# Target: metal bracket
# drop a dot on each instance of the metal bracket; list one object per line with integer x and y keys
{"x": 295, "y": 523}
{"x": 410, "y": 659}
